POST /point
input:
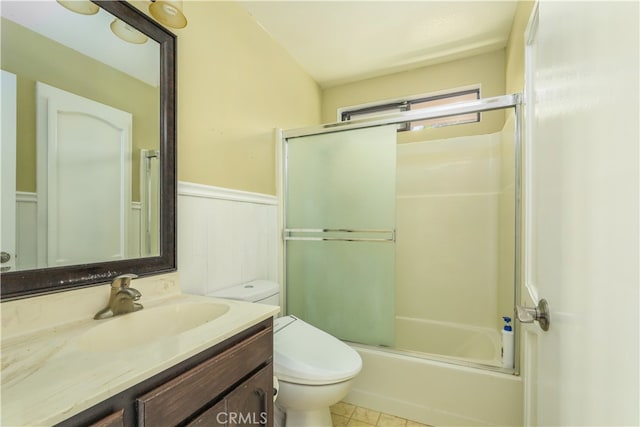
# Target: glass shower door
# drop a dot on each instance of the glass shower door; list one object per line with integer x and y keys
{"x": 340, "y": 214}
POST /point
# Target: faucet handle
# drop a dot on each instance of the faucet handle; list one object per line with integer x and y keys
{"x": 135, "y": 294}
{"x": 123, "y": 281}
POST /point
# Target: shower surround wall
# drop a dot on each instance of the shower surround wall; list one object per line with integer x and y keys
{"x": 447, "y": 230}
{"x": 453, "y": 257}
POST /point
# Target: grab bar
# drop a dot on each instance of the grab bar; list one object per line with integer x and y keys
{"x": 391, "y": 232}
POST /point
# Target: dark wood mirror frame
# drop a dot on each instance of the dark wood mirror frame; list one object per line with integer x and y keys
{"x": 22, "y": 284}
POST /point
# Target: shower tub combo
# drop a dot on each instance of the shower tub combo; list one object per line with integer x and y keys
{"x": 408, "y": 253}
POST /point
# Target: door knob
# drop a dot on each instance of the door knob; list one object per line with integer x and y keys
{"x": 5, "y": 257}
{"x": 539, "y": 314}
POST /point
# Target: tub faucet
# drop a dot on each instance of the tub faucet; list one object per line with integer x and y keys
{"x": 122, "y": 298}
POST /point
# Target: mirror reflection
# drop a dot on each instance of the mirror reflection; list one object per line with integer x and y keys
{"x": 80, "y": 137}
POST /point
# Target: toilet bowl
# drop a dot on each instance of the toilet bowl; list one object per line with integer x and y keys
{"x": 314, "y": 369}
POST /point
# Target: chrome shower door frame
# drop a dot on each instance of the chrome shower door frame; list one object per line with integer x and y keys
{"x": 477, "y": 106}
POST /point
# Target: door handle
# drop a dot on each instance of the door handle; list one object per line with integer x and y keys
{"x": 539, "y": 314}
{"x": 5, "y": 257}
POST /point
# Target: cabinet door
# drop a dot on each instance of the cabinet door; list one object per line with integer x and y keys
{"x": 251, "y": 404}
{"x": 213, "y": 417}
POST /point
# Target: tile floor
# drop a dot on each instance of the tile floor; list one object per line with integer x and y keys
{"x": 347, "y": 415}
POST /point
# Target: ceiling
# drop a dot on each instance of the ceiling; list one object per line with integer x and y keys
{"x": 342, "y": 41}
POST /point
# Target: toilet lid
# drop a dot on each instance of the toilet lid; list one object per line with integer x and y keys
{"x": 304, "y": 354}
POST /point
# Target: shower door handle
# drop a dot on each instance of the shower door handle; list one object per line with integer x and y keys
{"x": 539, "y": 314}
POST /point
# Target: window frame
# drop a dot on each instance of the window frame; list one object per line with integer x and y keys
{"x": 404, "y": 104}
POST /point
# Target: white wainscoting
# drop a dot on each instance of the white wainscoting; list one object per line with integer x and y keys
{"x": 225, "y": 237}
{"x": 27, "y": 231}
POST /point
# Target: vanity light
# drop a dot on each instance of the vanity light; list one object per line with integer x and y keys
{"x": 127, "y": 32}
{"x": 168, "y": 12}
{"x": 84, "y": 7}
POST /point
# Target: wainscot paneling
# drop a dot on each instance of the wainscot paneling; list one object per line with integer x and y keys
{"x": 225, "y": 237}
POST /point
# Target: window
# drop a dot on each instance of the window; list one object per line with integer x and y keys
{"x": 416, "y": 104}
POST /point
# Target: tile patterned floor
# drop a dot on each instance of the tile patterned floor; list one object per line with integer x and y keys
{"x": 347, "y": 415}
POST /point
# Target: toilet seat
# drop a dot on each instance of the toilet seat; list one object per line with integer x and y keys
{"x": 304, "y": 354}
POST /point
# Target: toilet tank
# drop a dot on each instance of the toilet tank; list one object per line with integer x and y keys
{"x": 258, "y": 291}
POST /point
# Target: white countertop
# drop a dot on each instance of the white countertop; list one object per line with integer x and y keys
{"x": 48, "y": 377}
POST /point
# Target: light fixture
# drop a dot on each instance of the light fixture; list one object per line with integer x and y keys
{"x": 84, "y": 7}
{"x": 127, "y": 32}
{"x": 168, "y": 12}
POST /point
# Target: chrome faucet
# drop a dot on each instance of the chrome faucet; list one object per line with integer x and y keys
{"x": 122, "y": 298}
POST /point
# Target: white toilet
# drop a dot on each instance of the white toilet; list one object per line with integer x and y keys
{"x": 314, "y": 369}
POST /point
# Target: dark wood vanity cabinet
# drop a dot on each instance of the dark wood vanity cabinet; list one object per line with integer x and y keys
{"x": 230, "y": 384}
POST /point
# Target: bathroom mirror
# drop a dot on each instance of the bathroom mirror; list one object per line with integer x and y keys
{"x": 86, "y": 213}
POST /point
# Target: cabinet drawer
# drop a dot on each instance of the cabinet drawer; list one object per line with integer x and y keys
{"x": 114, "y": 420}
{"x": 175, "y": 401}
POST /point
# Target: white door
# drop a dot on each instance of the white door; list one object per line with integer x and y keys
{"x": 8, "y": 174}
{"x": 582, "y": 196}
{"x": 83, "y": 179}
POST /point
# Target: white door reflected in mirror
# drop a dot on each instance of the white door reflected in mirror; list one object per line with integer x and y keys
{"x": 83, "y": 179}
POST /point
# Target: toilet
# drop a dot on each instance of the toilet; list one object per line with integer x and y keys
{"x": 314, "y": 369}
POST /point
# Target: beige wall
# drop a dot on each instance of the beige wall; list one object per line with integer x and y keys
{"x": 486, "y": 69}
{"x": 235, "y": 85}
{"x": 35, "y": 58}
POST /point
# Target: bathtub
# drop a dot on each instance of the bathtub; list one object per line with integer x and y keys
{"x": 454, "y": 341}
{"x": 443, "y": 382}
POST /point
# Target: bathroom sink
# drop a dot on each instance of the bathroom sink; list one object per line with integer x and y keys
{"x": 149, "y": 324}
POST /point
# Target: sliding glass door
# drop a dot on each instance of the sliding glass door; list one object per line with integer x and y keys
{"x": 340, "y": 215}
